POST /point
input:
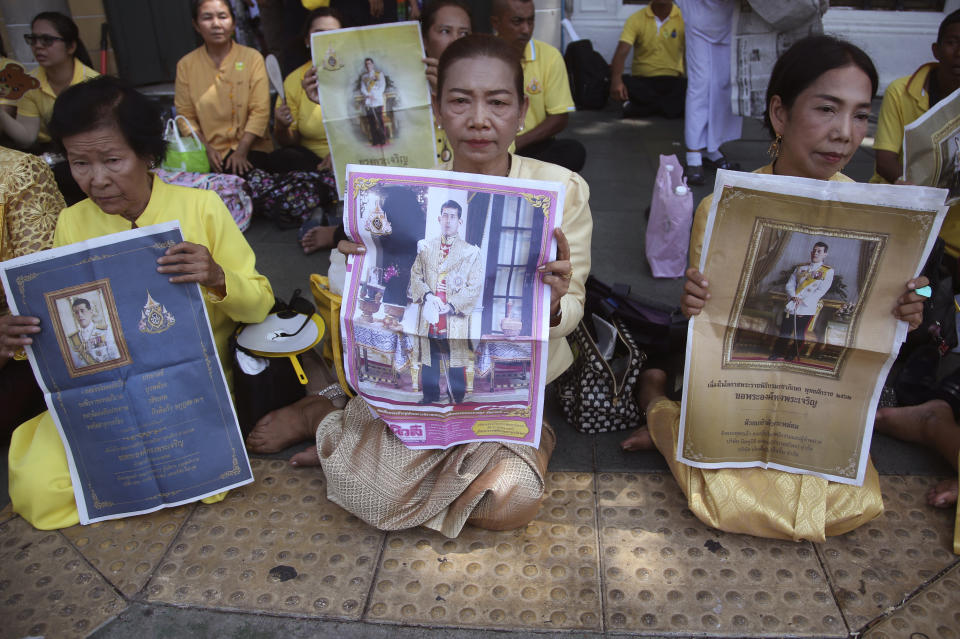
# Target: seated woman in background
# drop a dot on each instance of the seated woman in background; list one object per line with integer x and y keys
{"x": 222, "y": 89}
{"x": 113, "y": 135}
{"x": 64, "y": 62}
{"x": 369, "y": 471}
{"x": 818, "y": 104}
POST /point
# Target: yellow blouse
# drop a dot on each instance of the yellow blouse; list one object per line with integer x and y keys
{"x": 38, "y": 103}
{"x": 226, "y": 102}
{"x": 307, "y": 118}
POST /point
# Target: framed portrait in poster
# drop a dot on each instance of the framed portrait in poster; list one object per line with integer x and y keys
{"x": 931, "y": 147}
{"x": 445, "y": 317}
{"x": 785, "y": 364}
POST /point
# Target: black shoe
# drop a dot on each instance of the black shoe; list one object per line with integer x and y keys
{"x": 722, "y": 163}
{"x": 695, "y": 175}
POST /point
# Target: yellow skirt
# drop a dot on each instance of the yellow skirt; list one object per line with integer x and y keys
{"x": 41, "y": 490}
{"x": 765, "y": 502}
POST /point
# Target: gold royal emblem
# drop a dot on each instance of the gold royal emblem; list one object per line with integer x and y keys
{"x": 331, "y": 62}
{"x": 154, "y": 317}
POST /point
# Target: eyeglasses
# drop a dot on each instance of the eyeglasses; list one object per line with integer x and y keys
{"x": 43, "y": 39}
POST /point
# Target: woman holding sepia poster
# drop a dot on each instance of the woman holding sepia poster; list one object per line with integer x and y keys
{"x": 818, "y": 104}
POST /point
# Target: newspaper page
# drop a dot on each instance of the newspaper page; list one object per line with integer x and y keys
{"x": 931, "y": 147}
{"x": 798, "y": 336}
{"x": 445, "y": 319}
{"x": 129, "y": 369}
{"x": 374, "y": 97}
{"x": 756, "y": 46}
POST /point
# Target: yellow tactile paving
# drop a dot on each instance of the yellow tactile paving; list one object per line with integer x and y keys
{"x": 127, "y": 551}
{"x": 667, "y": 573}
{"x": 542, "y": 577}
{"x": 277, "y": 545}
{"x": 933, "y": 613}
{"x": 874, "y": 567}
{"x": 47, "y": 588}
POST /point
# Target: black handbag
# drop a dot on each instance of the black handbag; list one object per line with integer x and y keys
{"x": 597, "y": 395}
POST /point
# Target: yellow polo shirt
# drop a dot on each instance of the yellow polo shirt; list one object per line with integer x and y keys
{"x": 545, "y": 82}
{"x": 307, "y": 118}
{"x": 38, "y": 103}
{"x": 655, "y": 53}
{"x": 226, "y": 102}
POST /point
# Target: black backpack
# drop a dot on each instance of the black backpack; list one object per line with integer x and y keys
{"x": 589, "y": 75}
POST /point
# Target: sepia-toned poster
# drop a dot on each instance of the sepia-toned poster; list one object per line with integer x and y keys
{"x": 130, "y": 374}
{"x": 793, "y": 347}
{"x": 445, "y": 317}
{"x": 931, "y": 147}
{"x": 374, "y": 97}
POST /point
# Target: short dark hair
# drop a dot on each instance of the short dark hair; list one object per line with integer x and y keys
{"x": 826, "y": 249}
{"x": 953, "y": 18}
{"x": 195, "y": 9}
{"x": 429, "y": 12}
{"x": 499, "y": 6}
{"x": 77, "y": 301}
{"x": 481, "y": 45}
{"x": 807, "y": 60}
{"x": 322, "y": 12}
{"x": 67, "y": 29}
{"x": 106, "y": 100}
{"x": 452, "y": 204}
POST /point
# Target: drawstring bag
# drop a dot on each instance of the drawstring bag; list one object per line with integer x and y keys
{"x": 671, "y": 216}
{"x": 184, "y": 153}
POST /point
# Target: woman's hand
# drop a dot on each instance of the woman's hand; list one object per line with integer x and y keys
{"x": 351, "y": 248}
{"x": 431, "y": 71}
{"x": 326, "y": 164}
{"x": 557, "y": 274}
{"x": 15, "y": 332}
{"x": 376, "y": 8}
{"x": 309, "y": 84}
{"x": 696, "y": 292}
{"x": 193, "y": 263}
{"x": 284, "y": 115}
{"x": 237, "y": 163}
{"x": 216, "y": 162}
{"x": 910, "y": 305}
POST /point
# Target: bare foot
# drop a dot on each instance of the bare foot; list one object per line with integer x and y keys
{"x": 638, "y": 440}
{"x": 307, "y": 457}
{"x": 289, "y": 425}
{"x": 318, "y": 238}
{"x": 944, "y": 494}
{"x": 913, "y": 423}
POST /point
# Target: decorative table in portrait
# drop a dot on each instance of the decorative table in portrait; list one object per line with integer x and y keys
{"x": 130, "y": 372}
{"x": 785, "y": 365}
{"x": 445, "y": 319}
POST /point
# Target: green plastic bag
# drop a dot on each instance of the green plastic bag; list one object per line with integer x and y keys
{"x": 184, "y": 153}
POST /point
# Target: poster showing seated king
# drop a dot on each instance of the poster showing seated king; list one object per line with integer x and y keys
{"x": 785, "y": 365}
{"x": 931, "y": 147}
{"x": 445, "y": 319}
{"x": 374, "y": 97}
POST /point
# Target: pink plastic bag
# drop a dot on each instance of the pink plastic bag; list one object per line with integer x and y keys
{"x": 671, "y": 216}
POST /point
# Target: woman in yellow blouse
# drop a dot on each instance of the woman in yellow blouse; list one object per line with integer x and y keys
{"x": 111, "y": 162}
{"x": 222, "y": 89}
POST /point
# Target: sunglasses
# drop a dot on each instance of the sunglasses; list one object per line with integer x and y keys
{"x": 43, "y": 39}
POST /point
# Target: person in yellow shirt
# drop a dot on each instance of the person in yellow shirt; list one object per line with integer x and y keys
{"x": 545, "y": 84}
{"x": 223, "y": 91}
{"x": 656, "y": 85}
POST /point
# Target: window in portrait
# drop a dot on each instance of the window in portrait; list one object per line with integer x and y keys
{"x": 799, "y": 298}
{"x": 88, "y": 328}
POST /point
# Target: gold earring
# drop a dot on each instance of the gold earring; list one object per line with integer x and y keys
{"x": 774, "y": 150}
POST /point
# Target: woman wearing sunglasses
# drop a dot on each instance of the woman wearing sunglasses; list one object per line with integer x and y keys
{"x": 64, "y": 61}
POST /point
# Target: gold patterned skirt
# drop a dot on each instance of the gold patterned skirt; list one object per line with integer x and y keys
{"x": 761, "y": 501}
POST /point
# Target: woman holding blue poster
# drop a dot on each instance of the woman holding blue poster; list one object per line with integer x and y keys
{"x": 112, "y": 136}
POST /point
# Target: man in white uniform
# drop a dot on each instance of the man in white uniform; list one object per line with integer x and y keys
{"x": 89, "y": 345}
{"x": 805, "y": 287}
{"x": 373, "y": 84}
{"x": 709, "y": 120}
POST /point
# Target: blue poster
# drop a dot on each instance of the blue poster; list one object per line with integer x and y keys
{"x": 130, "y": 372}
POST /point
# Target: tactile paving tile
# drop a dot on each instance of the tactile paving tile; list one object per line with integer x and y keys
{"x": 875, "y": 566}
{"x": 47, "y": 588}
{"x": 933, "y": 613}
{"x": 543, "y": 576}
{"x": 665, "y": 572}
{"x": 127, "y": 551}
{"x": 277, "y": 545}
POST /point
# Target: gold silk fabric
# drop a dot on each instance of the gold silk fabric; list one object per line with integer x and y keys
{"x": 29, "y": 206}
{"x": 761, "y": 501}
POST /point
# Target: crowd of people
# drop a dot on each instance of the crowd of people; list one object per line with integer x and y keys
{"x": 500, "y": 102}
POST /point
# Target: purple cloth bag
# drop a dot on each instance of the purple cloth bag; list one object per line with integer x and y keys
{"x": 671, "y": 216}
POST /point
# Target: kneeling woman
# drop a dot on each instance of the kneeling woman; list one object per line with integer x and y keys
{"x": 481, "y": 104}
{"x": 112, "y": 136}
{"x": 818, "y": 104}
